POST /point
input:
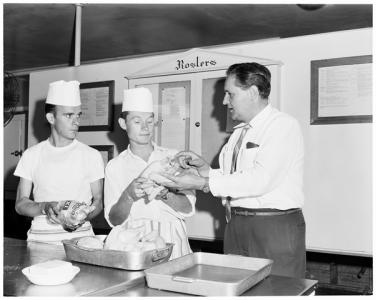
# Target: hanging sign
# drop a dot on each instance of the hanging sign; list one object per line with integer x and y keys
{"x": 194, "y": 64}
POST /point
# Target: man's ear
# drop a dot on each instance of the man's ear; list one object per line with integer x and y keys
{"x": 50, "y": 118}
{"x": 254, "y": 91}
{"x": 122, "y": 123}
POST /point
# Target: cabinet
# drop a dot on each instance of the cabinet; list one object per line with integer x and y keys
{"x": 338, "y": 274}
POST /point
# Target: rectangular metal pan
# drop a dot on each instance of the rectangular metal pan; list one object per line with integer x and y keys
{"x": 126, "y": 260}
{"x": 209, "y": 274}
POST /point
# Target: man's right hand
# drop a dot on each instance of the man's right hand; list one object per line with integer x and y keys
{"x": 52, "y": 210}
{"x": 189, "y": 159}
{"x": 134, "y": 189}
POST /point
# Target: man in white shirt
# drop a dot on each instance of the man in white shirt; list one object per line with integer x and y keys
{"x": 260, "y": 178}
{"x": 58, "y": 169}
{"x": 125, "y": 199}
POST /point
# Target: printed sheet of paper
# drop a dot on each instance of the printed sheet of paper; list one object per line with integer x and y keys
{"x": 345, "y": 90}
{"x": 173, "y": 131}
{"x": 94, "y": 105}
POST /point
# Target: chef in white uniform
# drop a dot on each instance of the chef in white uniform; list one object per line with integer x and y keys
{"x": 125, "y": 200}
{"x": 59, "y": 168}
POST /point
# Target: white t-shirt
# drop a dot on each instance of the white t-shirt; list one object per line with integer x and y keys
{"x": 120, "y": 172}
{"x": 57, "y": 174}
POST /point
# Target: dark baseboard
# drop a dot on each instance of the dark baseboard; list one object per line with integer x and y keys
{"x": 322, "y": 291}
{"x": 340, "y": 258}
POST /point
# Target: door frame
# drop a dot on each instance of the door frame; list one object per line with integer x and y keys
{"x": 9, "y": 193}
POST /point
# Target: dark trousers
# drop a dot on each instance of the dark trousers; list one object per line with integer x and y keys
{"x": 280, "y": 238}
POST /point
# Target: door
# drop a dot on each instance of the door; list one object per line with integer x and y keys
{"x": 14, "y": 145}
{"x": 15, "y": 225}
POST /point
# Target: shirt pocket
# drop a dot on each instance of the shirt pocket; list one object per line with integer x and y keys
{"x": 247, "y": 158}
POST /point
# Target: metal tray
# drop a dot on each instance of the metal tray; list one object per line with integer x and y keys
{"x": 209, "y": 274}
{"x": 126, "y": 260}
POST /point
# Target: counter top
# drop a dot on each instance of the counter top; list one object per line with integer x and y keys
{"x": 90, "y": 281}
{"x": 101, "y": 281}
{"x": 273, "y": 285}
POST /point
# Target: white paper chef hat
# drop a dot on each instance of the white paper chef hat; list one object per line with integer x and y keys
{"x": 138, "y": 99}
{"x": 65, "y": 93}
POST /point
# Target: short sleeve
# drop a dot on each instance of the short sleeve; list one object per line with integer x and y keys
{"x": 24, "y": 167}
{"x": 95, "y": 166}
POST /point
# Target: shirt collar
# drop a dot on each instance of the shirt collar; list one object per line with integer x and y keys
{"x": 258, "y": 119}
{"x": 70, "y": 145}
{"x": 128, "y": 151}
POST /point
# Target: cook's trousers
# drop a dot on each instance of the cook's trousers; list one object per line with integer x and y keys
{"x": 280, "y": 238}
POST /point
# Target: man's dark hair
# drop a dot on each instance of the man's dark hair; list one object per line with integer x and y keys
{"x": 124, "y": 114}
{"x": 49, "y": 108}
{"x": 248, "y": 74}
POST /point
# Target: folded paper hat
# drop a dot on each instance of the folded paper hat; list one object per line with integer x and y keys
{"x": 66, "y": 93}
{"x": 138, "y": 99}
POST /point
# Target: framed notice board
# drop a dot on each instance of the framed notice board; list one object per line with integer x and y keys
{"x": 97, "y": 99}
{"x": 341, "y": 90}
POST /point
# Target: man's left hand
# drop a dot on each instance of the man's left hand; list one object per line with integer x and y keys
{"x": 163, "y": 193}
{"x": 185, "y": 181}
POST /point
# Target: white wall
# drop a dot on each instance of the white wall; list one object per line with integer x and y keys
{"x": 338, "y": 165}
{"x": 338, "y": 172}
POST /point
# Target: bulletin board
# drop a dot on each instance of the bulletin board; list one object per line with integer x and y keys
{"x": 341, "y": 90}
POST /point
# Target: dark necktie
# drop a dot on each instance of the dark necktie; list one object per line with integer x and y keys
{"x": 233, "y": 165}
{"x": 237, "y": 148}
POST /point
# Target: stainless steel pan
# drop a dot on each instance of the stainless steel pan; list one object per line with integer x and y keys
{"x": 126, "y": 260}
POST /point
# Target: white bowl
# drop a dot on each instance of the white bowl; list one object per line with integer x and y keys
{"x": 55, "y": 279}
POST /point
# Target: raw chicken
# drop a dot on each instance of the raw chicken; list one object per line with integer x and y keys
{"x": 120, "y": 238}
{"x": 133, "y": 239}
{"x": 168, "y": 165}
{"x": 90, "y": 242}
{"x": 72, "y": 214}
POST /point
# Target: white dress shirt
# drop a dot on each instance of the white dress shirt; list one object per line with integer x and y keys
{"x": 269, "y": 166}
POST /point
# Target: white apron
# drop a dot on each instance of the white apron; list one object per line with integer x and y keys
{"x": 43, "y": 231}
{"x": 158, "y": 216}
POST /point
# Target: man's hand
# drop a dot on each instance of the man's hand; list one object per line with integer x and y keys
{"x": 162, "y": 194}
{"x": 135, "y": 190}
{"x": 154, "y": 190}
{"x": 189, "y": 159}
{"x": 82, "y": 215}
{"x": 52, "y": 210}
{"x": 184, "y": 181}
{"x": 71, "y": 228}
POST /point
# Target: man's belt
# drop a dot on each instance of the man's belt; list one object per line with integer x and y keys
{"x": 240, "y": 211}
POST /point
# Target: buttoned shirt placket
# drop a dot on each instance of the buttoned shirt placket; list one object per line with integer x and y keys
{"x": 233, "y": 166}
